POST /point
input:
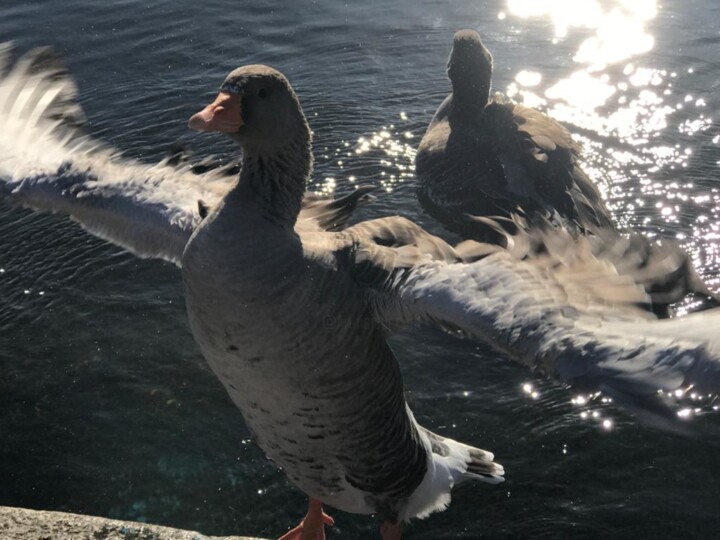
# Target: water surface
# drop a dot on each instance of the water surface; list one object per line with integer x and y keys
{"x": 108, "y": 408}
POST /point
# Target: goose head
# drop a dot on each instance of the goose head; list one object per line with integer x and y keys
{"x": 469, "y": 68}
{"x": 258, "y": 108}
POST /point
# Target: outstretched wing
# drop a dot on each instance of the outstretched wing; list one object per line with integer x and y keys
{"x": 535, "y": 318}
{"x": 659, "y": 265}
{"x": 571, "y": 316}
{"x": 48, "y": 163}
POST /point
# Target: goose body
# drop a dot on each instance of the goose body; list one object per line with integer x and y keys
{"x": 298, "y": 348}
{"x": 261, "y": 338}
{"x": 486, "y": 156}
{"x": 292, "y": 308}
{"x": 321, "y": 399}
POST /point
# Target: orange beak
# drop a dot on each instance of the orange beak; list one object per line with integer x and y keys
{"x": 223, "y": 115}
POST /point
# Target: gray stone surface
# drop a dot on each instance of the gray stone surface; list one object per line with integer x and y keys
{"x": 24, "y": 524}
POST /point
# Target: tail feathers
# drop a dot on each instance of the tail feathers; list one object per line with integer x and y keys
{"x": 482, "y": 467}
{"x": 477, "y": 462}
{"x": 449, "y": 463}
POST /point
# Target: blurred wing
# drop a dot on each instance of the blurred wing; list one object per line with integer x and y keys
{"x": 659, "y": 265}
{"x": 531, "y": 318}
{"x": 573, "y": 317}
{"x": 47, "y": 163}
{"x": 320, "y": 213}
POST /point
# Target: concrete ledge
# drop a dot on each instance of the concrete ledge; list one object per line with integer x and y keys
{"x": 23, "y": 524}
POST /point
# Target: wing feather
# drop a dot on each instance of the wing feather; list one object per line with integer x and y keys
{"x": 48, "y": 163}
{"x": 565, "y": 313}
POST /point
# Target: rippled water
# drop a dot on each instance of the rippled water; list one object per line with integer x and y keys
{"x": 106, "y": 406}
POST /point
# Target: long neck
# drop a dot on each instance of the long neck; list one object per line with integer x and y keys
{"x": 276, "y": 180}
{"x": 471, "y": 96}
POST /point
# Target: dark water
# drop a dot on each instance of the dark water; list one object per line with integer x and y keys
{"x": 107, "y": 407}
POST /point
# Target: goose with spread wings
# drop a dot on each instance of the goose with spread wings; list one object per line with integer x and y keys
{"x": 263, "y": 278}
{"x": 484, "y": 155}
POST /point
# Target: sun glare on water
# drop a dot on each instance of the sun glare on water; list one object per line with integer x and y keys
{"x": 627, "y": 109}
{"x": 620, "y": 26}
{"x": 610, "y": 93}
{"x": 620, "y": 33}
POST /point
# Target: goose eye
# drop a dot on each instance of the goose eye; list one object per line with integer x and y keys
{"x": 262, "y": 93}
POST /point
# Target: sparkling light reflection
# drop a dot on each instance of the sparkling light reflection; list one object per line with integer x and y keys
{"x": 528, "y": 78}
{"x": 620, "y": 34}
{"x": 619, "y": 28}
{"x": 393, "y": 149}
{"x": 641, "y": 129}
{"x": 627, "y": 112}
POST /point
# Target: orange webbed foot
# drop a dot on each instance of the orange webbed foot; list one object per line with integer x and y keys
{"x": 313, "y": 526}
{"x": 390, "y": 531}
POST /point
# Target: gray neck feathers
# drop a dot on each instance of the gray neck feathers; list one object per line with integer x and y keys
{"x": 470, "y": 95}
{"x": 470, "y": 72}
{"x": 276, "y": 179}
